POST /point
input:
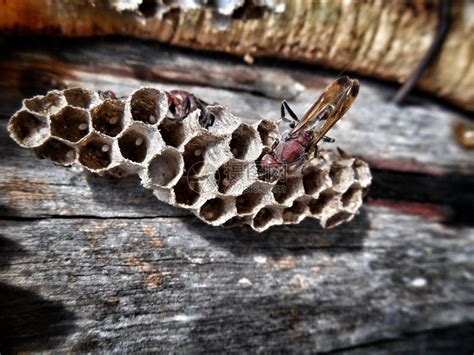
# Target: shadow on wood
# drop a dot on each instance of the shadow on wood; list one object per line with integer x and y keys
{"x": 28, "y": 322}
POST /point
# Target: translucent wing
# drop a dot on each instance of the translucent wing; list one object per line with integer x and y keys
{"x": 321, "y": 108}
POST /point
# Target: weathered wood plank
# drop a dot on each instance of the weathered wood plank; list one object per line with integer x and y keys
{"x": 174, "y": 284}
{"x": 414, "y": 137}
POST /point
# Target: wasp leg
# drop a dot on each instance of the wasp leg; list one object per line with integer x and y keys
{"x": 275, "y": 143}
{"x": 207, "y": 119}
{"x": 293, "y": 119}
{"x": 328, "y": 139}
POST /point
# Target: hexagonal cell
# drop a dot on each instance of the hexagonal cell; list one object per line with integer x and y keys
{"x": 362, "y": 172}
{"x": 325, "y": 199}
{"x": 107, "y": 117}
{"x": 133, "y": 146}
{"x": 78, "y": 97}
{"x": 213, "y": 209}
{"x": 285, "y": 189}
{"x": 264, "y": 217}
{"x": 28, "y": 130}
{"x": 196, "y": 152}
{"x": 145, "y": 105}
{"x": 165, "y": 168}
{"x": 187, "y": 191}
{"x": 314, "y": 180}
{"x": 231, "y": 174}
{"x": 267, "y": 129}
{"x": 294, "y": 213}
{"x": 244, "y": 144}
{"x": 96, "y": 152}
{"x": 337, "y": 219}
{"x": 45, "y": 105}
{"x": 172, "y": 132}
{"x": 251, "y": 198}
{"x": 71, "y": 124}
{"x": 352, "y": 197}
{"x": 57, "y": 151}
{"x": 342, "y": 176}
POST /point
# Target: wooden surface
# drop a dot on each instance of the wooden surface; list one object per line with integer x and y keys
{"x": 94, "y": 263}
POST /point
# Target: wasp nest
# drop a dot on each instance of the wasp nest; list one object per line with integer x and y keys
{"x": 212, "y": 172}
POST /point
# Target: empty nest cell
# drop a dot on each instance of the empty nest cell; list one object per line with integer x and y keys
{"x": 96, "y": 152}
{"x": 145, "y": 105}
{"x": 28, "y": 129}
{"x": 57, "y": 151}
{"x": 78, "y": 97}
{"x": 172, "y": 132}
{"x": 267, "y": 130}
{"x": 293, "y": 214}
{"x": 213, "y": 209}
{"x": 133, "y": 146}
{"x": 341, "y": 176}
{"x": 244, "y": 142}
{"x": 195, "y": 153}
{"x": 285, "y": 189}
{"x": 231, "y": 174}
{"x": 165, "y": 167}
{"x": 187, "y": 191}
{"x": 45, "y": 105}
{"x": 351, "y": 198}
{"x": 71, "y": 124}
{"x": 107, "y": 118}
{"x": 313, "y": 179}
{"x": 250, "y": 199}
{"x": 325, "y": 198}
{"x": 264, "y": 217}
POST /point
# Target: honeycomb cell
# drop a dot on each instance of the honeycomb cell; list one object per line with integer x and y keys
{"x": 134, "y": 146}
{"x": 213, "y": 209}
{"x": 325, "y": 199}
{"x": 27, "y": 129}
{"x": 231, "y": 174}
{"x": 264, "y": 217}
{"x": 187, "y": 191}
{"x": 294, "y": 213}
{"x": 108, "y": 117}
{"x": 248, "y": 201}
{"x": 236, "y": 221}
{"x": 314, "y": 180}
{"x": 341, "y": 176}
{"x": 196, "y": 153}
{"x": 352, "y": 197}
{"x": 244, "y": 143}
{"x": 267, "y": 130}
{"x": 96, "y": 152}
{"x": 146, "y": 105}
{"x": 57, "y": 151}
{"x": 362, "y": 172}
{"x": 78, "y": 97}
{"x": 71, "y": 124}
{"x": 337, "y": 219}
{"x": 45, "y": 105}
{"x": 285, "y": 189}
{"x": 172, "y": 132}
{"x": 166, "y": 167}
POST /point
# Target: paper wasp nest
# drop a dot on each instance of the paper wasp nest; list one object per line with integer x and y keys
{"x": 211, "y": 172}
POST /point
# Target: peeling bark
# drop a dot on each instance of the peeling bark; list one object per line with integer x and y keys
{"x": 371, "y": 37}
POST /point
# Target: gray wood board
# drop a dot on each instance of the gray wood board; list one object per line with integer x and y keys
{"x": 175, "y": 284}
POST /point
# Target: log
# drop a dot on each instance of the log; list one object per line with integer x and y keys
{"x": 379, "y": 39}
{"x": 95, "y": 264}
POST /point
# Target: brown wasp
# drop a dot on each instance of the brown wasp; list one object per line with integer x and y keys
{"x": 182, "y": 103}
{"x": 306, "y": 133}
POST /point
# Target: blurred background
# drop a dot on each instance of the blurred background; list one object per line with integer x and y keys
{"x": 98, "y": 264}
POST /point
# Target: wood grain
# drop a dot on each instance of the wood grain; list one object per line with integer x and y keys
{"x": 91, "y": 263}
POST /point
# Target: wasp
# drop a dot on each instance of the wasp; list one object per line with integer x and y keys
{"x": 307, "y": 132}
{"x": 182, "y": 103}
